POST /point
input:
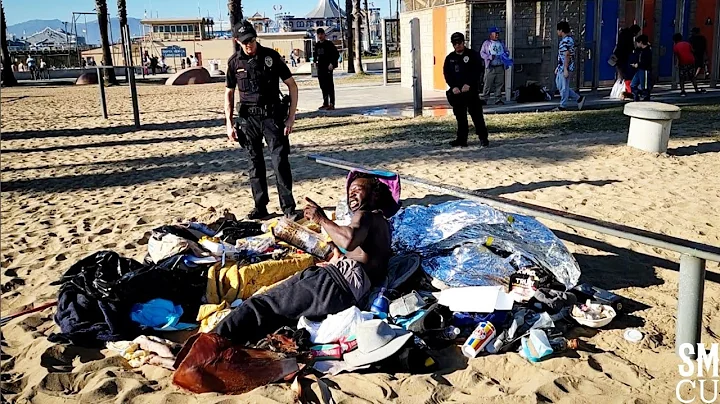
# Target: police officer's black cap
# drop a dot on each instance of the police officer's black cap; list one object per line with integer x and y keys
{"x": 457, "y": 37}
{"x": 244, "y": 31}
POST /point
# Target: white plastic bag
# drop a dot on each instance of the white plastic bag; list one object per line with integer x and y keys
{"x": 335, "y": 326}
{"x": 617, "y": 90}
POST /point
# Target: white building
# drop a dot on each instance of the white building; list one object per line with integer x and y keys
{"x": 49, "y": 39}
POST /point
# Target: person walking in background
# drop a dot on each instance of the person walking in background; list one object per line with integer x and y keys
{"x": 326, "y": 55}
{"x": 686, "y": 63}
{"x": 623, "y": 49}
{"x": 493, "y": 52}
{"x": 641, "y": 84}
{"x": 293, "y": 63}
{"x": 182, "y": 63}
{"x": 699, "y": 47}
{"x": 566, "y": 65}
{"x": 462, "y": 74}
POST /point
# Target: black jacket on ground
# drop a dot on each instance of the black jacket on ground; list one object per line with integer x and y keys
{"x": 326, "y": 54}
{"x": 463, "y": 68}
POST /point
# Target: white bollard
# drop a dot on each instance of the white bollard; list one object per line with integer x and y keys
{"x": 650, "y": 124}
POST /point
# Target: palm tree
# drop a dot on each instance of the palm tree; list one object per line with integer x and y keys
{"x": 349, "y": 30}
{"x": 358, "y": 37}
{"x": 102, "y": 12}
{"x": 236, "y": 16}
{"x": 122, "y": 13}
{"x": 8, "y": 78}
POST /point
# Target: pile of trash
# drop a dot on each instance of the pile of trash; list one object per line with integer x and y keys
{"x": 464, "y": 274}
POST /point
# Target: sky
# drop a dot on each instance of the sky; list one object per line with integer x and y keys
{"x": 18, "y": 11}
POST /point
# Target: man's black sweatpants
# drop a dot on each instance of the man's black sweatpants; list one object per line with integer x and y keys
{"x": 314, "y": 293}
{"x": 327, "y": 86}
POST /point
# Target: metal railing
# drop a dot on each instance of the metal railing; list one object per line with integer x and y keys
{"x": 692, "y": 259}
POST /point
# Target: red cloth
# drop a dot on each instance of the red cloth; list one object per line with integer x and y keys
{"x": 683, "y": 51}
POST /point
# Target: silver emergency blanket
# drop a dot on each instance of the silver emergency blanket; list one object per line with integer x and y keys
{"x": 465, "y": 243}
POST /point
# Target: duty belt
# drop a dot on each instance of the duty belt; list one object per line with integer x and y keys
{"x": 255, "y": 110}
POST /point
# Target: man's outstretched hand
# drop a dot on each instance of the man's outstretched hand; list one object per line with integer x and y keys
{"x": 313, "y": 211}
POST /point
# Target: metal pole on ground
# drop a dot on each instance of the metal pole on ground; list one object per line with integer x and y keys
{"x": 509, "y": 42}
{"x": 101, "y": 85}
{"x": 690, "y": 302}
{"x": 384, "y": 52}
{"x": 416, "y": 66}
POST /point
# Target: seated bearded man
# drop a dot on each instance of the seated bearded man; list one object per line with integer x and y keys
{"x": 330, "y": 287}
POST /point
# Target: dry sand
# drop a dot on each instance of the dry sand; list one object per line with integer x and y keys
{"x": 73, "y": 184}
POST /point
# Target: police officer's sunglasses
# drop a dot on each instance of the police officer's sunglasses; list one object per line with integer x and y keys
{"x": 457, "y": 42}
{"x": 249, "y": 41}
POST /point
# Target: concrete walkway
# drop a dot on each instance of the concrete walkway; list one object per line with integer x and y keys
{"x": 396, "y": 101}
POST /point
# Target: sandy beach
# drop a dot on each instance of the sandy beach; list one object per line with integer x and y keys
{"x": 74, "y": 184}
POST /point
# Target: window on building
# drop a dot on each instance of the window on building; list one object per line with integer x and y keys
{"x": 291, "y": 24}
{"x": 167, "y": 28}
{"x": 300, "y": 24}
{"x": 191, "y": 28}
{"x": 172, "y": 28}
{"x": 155, "y": 28}
{"x": 159, "y": 28}
{"x": 184, "y": 28}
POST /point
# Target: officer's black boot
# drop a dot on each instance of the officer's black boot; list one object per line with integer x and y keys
{"x": 258, "y": 214}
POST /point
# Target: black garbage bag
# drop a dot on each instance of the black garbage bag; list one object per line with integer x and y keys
{"x": 101, "y": 275}
{"x": 98, "y": 292}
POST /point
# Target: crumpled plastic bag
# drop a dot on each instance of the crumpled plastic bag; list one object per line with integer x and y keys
{"x": 335, "y": 326}
{"x": 160, "y": 314}
{"x": 465, "y": 243}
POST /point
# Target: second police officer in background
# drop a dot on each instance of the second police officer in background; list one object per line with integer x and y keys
{"x": 462, "y": 70}
{"x": 256, "y": 71}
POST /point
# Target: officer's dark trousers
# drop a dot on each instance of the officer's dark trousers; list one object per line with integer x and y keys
{"x": 462, "y": 104}
{"x": 327, "y": 86}
{"x": 257, "y": 128}
{"x": 314, "y": 293}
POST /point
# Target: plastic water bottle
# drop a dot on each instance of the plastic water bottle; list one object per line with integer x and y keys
{"x": 449, "y": 333}
{"x": 380, "y": 305}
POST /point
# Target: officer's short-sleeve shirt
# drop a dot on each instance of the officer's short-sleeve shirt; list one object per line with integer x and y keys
{"x": 237, "y": 65}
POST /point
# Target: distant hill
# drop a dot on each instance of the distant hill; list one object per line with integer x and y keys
{"x": 28, "y": 28}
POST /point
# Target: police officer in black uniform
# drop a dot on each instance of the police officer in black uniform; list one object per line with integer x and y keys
{"x": 256, "y": 71}
{"x": 462, "y": 70}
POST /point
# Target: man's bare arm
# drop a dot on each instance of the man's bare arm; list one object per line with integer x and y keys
{"x": 229, "y": 105}
{"x": 348, "y": 237}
